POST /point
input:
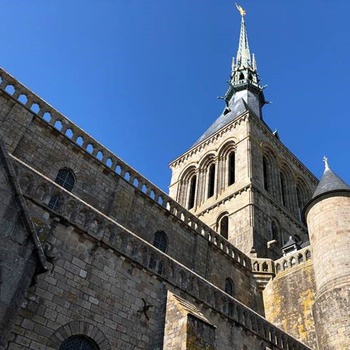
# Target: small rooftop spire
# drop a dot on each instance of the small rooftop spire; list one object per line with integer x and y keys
{"x": 329, "y": 182}
{"x": 326, "y": 166}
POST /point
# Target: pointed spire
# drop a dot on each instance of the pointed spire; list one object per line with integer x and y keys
{"x": 243, "y": 53}
{"x": 244, "y": 92}
{"x": 255, "y": 67}
{"x": 329, "y": 182}
{"x": 244, "y": 69}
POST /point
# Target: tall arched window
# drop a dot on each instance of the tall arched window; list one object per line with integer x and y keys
{"x": 65, "y": 178}
{"x": 211, "y": 180}
{"x": 266, "y": 174}
{"x": 231, "y": 168}
{"x": 224, "y": 226}
{"x": 192, "y": 191}
{"x": 79, "y": 342}
{"x": 160, "y": 240}
{"x": 283, "y": 189}
{"x": 54, "y": 202}
{"x": 299, "y": 203}
{"x": 229, "y": 287}
{"x": 275, "y": 231}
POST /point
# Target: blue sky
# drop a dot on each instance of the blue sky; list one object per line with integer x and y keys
{"x": 142, "y": 76}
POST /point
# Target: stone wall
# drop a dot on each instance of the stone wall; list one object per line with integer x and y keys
{"x": 113, "y": 288}
{"x": 21, "y": 254}
{"x": 290, "y": 296}
{"x": 250, "y": 207}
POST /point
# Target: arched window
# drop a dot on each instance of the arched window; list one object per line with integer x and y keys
{"x": 78, "y": 342}
{"x": 192, "y": 191}
{"x": 160, "y": 240}
{"x": 283, "y": 189}
{"x": 266, "y": 174}
{"x": 211, "y": 180}
{"x": 229, "y": 287}
{"x": 231, "y": 168}
{"x": 65, "y": 178}
{"x": 274, "y": 231}
{"x": 54, "y": 203}
{"x": 224, "y": 226}
{"x": 241, "y": 76}
{"x": 299, "y": 203}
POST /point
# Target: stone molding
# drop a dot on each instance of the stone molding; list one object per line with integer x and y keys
{"x": 79, "y": 328}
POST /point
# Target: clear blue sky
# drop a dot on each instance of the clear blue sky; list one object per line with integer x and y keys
{"x": 142, "y": 76}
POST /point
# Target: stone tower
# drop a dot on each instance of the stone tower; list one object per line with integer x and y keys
{"x": 328, "y": 219}
{"x": 238, "y": 177}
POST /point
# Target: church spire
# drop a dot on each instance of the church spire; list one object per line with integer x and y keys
{"x": 243, "y": 52}
{"x": 245, "y": 69}
{"x": 244, "y": 92}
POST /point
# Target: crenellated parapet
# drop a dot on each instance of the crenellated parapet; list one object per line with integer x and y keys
{"x": 292, "y": 260}
{"x": 266, "y": 269}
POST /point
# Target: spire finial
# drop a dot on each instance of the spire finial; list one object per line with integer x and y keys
{"x": 325, "y": 160}
{"x": 241, "y": 10}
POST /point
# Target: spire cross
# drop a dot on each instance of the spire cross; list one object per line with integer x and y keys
{"x": 325, "y": 160}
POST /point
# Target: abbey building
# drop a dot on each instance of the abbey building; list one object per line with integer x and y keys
{"x": 248, "y": 251}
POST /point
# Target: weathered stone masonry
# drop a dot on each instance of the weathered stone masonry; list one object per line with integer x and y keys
{"x": 105, "y": 267}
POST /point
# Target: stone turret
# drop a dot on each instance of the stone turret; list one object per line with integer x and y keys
{"x": 328, "y": 219}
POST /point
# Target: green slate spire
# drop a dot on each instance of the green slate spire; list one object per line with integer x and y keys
{"x": 245, "y": 69}
{"x": 243, "y": 52}
{"x": 244, "y": 92}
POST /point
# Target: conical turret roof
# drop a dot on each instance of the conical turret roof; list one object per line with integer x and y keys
{"x": 329, "y": 182}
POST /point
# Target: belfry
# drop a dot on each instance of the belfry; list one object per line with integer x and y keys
{"x": 238, "y": 177}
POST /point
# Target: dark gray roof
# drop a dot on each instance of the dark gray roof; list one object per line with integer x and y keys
{"x": 291, "y": 242}
{"x": 237, "y": 109}
{"x": 330, "y": 182}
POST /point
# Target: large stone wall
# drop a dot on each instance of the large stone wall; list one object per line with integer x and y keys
{"x": 290, "y": 296}
{"x": 204, "y": 256}
{"x": 113, "y": 288}
{"x": 21, "y": 254}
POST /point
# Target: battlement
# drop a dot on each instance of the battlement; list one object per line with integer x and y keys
{"x": 271, "y": 268}
{"x": 292, "y": 260}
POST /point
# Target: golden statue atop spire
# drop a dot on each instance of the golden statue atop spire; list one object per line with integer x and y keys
{"x": 241, "y": 10}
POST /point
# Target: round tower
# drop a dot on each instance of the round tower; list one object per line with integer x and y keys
{"x": 328, "y": 221}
